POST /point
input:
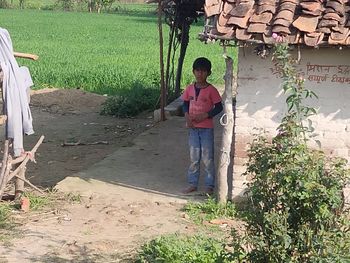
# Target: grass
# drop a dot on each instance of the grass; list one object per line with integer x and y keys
{"x": 101, "y": 53}
{"x": 5, "y": 211}
{"x": 8, "y": 228}
{"x": 180, "y": 248}
{"x": 209, "y": 210}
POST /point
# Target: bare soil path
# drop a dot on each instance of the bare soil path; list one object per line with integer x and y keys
{"x": 127, "y": 188}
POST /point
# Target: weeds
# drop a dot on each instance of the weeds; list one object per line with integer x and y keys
{"x": 37, "y": 202}
{"x": 5, "y": 210}
{"x": 73, "y": 198}
{"x": 178, "y": 249}
{"x": 131, "y": 102}
{"x": 209, "y": 210}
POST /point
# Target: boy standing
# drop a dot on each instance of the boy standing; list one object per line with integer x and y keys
{"x": 202, "y": 102}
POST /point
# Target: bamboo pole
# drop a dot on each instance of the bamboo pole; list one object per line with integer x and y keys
{"x": 227, "y": 122}
{"x": 19, "y": 184}
{"x": 26, "y": 55}
{"x": 3, "y": 167}
{"x": 162, "y": 84}
{"x": 26, "y": 159}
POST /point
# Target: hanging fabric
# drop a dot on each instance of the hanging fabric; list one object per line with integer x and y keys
{"x": 16, "y": 86}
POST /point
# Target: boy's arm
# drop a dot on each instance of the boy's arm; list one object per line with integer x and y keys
{"x": 186, "y": 108}
{"x": 216, "y": 110}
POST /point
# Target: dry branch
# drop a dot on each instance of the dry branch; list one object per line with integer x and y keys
{"x": 29, "y": 183}
{"x": 83, "y": 143}
{"x": 3, "y": 181}
{"x": 26, "y": 55}
{"x": 26, "y": 159}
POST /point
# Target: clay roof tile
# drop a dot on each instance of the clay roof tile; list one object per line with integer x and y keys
{"x": 241, "y": 9}
{"x": 242, "y": 22}
{"x": 306, "y": 23}
{"x": 256, "y": 28}
{"x": 242, "y": 34}
{"x": 261, "y": 18}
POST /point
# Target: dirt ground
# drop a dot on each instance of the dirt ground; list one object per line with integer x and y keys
{"x": 95, "y": 228}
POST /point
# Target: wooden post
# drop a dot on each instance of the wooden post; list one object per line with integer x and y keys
{"x": 227, "y": 122}
{"x": 19, "y": 185}
{"x": 162, "y": 84}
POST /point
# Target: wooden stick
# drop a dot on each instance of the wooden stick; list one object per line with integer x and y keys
{"x": 26, "y": 159}
{"x": 83, "y": 143}
{"x": 161, "y": 62}
{"x": 26, "y": 55}
{"x": 3, "y": 168}
{"x": 19, "y": 184}
{"x": 18, "y": 159}
{"x": 29, "y": 183}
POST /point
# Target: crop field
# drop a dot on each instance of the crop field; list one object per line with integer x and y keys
{"x": 102, "y": 53}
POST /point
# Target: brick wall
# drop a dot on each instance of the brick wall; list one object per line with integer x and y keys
{"x": 261, "y": 104}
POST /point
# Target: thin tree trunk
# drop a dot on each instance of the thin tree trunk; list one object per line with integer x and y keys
{"x": 225, "y": 149}
{"x": 162, "y": 84}
{"x": 184, "y": 43}
{"x": 167, "y": 72}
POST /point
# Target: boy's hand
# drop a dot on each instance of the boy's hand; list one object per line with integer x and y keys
{"x": 200, "y": 117}
{"x": 189, "y": 123}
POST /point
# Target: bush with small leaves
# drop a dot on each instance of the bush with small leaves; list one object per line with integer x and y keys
{"x": 296, "y": 210}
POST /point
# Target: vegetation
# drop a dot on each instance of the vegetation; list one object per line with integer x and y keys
{"x": 296, "y": 193}
{"x": 208, "y": 210}
{"x": 295, "y": 211}
{"x": 178, "y": 249}
{"x": 198, "y": 248}
{"x": 36, "y": 201}
{"x": 4, "y": 215}
{"x": 102, "y": 53}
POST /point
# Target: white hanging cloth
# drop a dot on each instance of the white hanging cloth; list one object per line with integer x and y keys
{"x": 16, "y": 84}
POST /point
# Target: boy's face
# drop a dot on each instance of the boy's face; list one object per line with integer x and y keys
{"x": 201, "y": 75}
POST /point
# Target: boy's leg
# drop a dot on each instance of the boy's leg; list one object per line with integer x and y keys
{"x": 207, "y": 143}
{"x": 195, "y": 157}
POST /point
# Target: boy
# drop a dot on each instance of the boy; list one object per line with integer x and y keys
{"x": 202, "y": 102}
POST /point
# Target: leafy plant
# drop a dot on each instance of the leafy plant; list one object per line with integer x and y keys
{"x": 208, "y": 210}
{"x": 36, "y": 201}
{"x": 4, "y": 215}
{"x": 296, "y": 193}
{"x": 131, "y": 102}
{"x": 73, "y": 197}
{"x": 4, "y": 4}
{"x": 179, "y": 249}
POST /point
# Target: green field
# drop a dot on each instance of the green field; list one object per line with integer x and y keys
{"x": 102, "y": 53}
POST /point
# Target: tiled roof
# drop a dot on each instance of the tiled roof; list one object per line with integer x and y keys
{"x": 309, "y": 22}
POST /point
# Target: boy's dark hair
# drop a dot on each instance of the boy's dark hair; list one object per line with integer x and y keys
{"x": 203, "y": 64}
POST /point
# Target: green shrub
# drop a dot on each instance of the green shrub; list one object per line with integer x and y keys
{"x": 296, "y": 193}
{"x": 131, "y": 102}
{"x": 209, "y": 210}
{"x": 4, "y": 215}
{"x": 296, "y": 203}
{"x": 4, "y": 4}
{"x": 178, "y": 249}
{"x": 36, "y": 201}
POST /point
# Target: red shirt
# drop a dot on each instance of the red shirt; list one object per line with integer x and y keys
{"x": 205, "y": 102}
